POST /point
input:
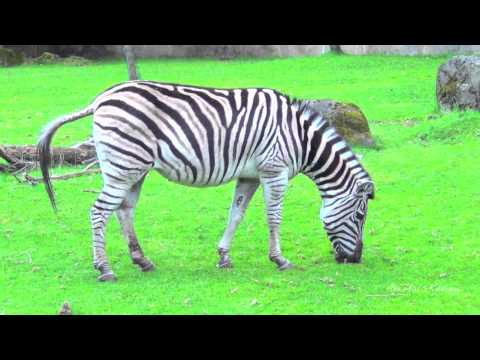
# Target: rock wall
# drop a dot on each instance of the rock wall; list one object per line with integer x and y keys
{"x": 89, "y": 51}
{"x": 229, "y": 51}
{"x": 232, "y": 51}
{"x": 409, "y": 49}
{"x": 226, "y": 51}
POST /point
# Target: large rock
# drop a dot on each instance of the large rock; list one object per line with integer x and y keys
{"x": 46, "y": 58}
{"x": 458, "y": 83}
{"x": 347, "y": 119}
{"x": 9, "y": 57}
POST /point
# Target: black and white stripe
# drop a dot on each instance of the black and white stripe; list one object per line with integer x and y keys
{"x": 207, "y": 137}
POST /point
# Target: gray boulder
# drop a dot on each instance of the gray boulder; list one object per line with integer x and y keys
{"x": 347, "y": 119}
{"x": 458, "y": 83}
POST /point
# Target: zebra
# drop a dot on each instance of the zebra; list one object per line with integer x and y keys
{"x": 200, "y": 136}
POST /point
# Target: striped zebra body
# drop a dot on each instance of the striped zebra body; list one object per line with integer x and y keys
{"x": 207, "y": 137}
{"x": 193, "y": 136}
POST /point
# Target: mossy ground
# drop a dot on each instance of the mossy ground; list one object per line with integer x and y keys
{"x": 422, "y": 246}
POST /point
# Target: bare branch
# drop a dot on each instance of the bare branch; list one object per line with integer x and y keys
{"x": 87, "y": 144}
{"x": 89, "y": 166}
{"x": 65, "y": 176}
{"x": 91, "y": 191}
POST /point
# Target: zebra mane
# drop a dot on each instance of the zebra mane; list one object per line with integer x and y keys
{"x": 301, "y": 104}
{"x": 305, "y": 109}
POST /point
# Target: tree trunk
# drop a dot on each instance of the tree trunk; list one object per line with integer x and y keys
{"x": 88, "y": 144}
{"x": 336, "y": 49}
{"x": 130, "y": 59}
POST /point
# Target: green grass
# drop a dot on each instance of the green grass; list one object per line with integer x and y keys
{"x": 421, "y": 253}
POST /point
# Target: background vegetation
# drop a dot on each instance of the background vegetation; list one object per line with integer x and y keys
{"x": 421, "y": 253}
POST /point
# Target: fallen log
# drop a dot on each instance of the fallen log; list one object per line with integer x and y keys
{"x": 5, "y": 155}
{"x": 13, "y": 164}
{"x": 60, "y": 155}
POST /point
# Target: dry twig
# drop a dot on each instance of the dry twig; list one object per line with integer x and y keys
{"x": 91, "y": 191}
{"x": 65, "y": 176}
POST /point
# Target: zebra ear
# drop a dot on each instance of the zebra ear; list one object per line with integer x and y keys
{"x": 366, "y": 187}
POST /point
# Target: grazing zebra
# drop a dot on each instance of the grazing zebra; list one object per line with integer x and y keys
{"x": 207, "y": 137}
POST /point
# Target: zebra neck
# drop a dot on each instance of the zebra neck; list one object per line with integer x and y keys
{"x": 339, "y": 184}
{"x": 333, "y": 167}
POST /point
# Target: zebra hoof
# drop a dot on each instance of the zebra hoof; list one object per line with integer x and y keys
{"x": 285, "y": 266}
{"x": 107, "y": 277}
{"x": 144, "y": 264}
{"x": 282, "y": 263}
{"x": 225, "y": 264}
{"x": 147, "y": 267}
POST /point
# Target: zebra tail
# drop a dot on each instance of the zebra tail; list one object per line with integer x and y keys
{"x": 43, "y": 147}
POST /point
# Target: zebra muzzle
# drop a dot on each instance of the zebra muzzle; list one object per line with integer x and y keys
{"x": 342, "y": 258}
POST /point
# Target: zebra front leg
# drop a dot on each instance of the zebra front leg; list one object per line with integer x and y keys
{"x": 274, "y": 187}
{"x": 125, "y": 215}
{"x": 244, "y": 191}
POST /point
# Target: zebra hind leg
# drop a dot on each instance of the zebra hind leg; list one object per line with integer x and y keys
{"x": 110, "y": 199}
{"x": 243, "y": 194}
{"x": 104, "y": 206}
{"x": 125, "y": 215}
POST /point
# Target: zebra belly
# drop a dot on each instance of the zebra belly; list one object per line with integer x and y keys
{"x": 182, "y": 174}
{"x": 249, "y": 171}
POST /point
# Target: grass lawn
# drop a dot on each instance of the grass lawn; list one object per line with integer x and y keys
{"x": 422, "y": 238}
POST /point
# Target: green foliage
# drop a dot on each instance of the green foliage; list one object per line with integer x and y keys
{"x": 451, "y": 128}
{"x": 9, "y": 57}
{"x": 48, "y": 59}
{"x": 421, "y": 253}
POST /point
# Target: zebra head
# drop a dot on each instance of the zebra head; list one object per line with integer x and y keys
{"x": 343, "y": 219}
